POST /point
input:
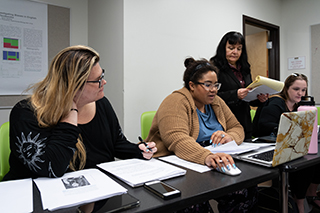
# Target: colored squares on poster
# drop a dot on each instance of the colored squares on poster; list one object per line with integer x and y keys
{"x": 11, "y": 56}
{"x": 10, "y": 43}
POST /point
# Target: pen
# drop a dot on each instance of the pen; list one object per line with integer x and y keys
{"x": 142, "y": 141}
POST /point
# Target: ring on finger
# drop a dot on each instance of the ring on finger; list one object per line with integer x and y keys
{"x": 222, "y": 136}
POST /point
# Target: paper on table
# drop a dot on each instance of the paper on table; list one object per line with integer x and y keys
{"x": 136, "y": 172}
{"x": 16, "y": 196}
{"x": 186, "y": 164}
{"x": 77, "y": 188}
{"x": 233, "y": 148}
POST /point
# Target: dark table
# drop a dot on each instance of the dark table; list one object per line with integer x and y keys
{"x": 296, "y": 165}
{"x": 195, "y": 188}
{"x": 198, "y": 187}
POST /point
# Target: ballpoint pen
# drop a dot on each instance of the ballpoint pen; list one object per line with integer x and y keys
{"x": 142, "y": 141}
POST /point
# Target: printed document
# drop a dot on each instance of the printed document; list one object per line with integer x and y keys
{"x": 186, "y": 164}
{"x": 16, "y": 196}
{"x": 136, "y": 172}
{"x": 233, "y": 148}
{"x": 75, "y": 188}
{"x": 263, "y": 85}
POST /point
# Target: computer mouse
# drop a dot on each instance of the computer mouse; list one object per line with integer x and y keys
{"x": 233, "y": 171}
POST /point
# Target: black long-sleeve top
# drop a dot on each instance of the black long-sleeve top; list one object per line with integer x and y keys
{"x": 46, "y": 152}
{"x": 267, "y": 118}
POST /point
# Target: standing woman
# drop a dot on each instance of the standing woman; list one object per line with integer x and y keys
{"x": 235, "y": 75}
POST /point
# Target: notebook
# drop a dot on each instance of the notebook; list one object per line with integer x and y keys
{"x": 293, "y": 139}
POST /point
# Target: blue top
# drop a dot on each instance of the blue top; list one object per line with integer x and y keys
{"x": 208, "y": 124}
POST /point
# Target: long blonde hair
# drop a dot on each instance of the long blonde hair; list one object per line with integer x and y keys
{"x": 52, "y": 97}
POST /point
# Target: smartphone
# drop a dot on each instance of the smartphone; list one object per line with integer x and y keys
{"x": 116, "y": 204}
{"x": 162, "y": 189}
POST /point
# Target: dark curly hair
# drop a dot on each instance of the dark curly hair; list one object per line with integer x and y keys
{"x": 195, "y": 69}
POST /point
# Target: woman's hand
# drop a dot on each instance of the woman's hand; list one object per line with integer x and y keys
{"x": 263, "y": 97}
{"x": 218, "y": 160}
{"x": 242, "y": 93}
{"x": 219, "y": 137}
{"x": 148, "y": 150}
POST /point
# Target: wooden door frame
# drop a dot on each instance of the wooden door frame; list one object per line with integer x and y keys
{"x": 274, "y": 53}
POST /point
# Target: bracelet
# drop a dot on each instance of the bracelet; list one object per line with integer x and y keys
{"x": 74, "y": 109}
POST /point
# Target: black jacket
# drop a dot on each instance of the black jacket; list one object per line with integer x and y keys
{"x": 267, "y": 117}
{"x": 228, "y": 92}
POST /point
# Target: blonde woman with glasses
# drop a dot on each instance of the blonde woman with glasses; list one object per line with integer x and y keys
{"x": 67, "y": 123}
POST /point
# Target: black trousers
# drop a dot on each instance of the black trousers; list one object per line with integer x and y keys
{"x": 299, "y": 181}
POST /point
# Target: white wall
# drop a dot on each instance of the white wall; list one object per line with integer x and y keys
{"x": 143, "y": 43}
{"x": 159, "y": 35}
{"x": 106, "y": 37}
{"x": 295, "y": 40}
{"x": 78, "y": 18}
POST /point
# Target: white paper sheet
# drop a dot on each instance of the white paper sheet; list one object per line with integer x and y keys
{"x": 263, "y": 89}
{"x": 186, "y": 164}
{"x": 16, "y": 196}
{"x": 136, "y": 172}
{"x": 233, "y": 148}
{"x": 76, "y": 188}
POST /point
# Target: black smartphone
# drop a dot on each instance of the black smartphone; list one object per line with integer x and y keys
{"x": 116, "y": 204}
{"x": 162, "y": 189}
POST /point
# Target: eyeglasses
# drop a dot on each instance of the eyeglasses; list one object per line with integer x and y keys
{"x": 210, "y": 86}
{"x": 100, "y": 79}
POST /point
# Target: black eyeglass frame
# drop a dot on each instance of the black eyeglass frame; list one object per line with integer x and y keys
{"x": 100, "y": 79}
{"x": 210, "y": 86}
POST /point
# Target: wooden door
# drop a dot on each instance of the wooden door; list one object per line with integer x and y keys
{"x": 258, "y": 53}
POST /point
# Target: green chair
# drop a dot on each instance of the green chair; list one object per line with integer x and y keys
{"x": 253, "y": 113}
{"x": 318, "y": 108}
{"x": 146, "y": 121}
{"x": 4, "y": 150}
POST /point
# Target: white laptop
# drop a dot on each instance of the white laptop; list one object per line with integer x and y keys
{"x": 293, "y": 139}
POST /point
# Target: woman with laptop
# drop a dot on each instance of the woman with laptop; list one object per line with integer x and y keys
{"x": 304, "y": 183}
{"x": 193, "y": 117}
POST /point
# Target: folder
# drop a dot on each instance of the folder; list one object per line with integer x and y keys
{"x": 263, "y": 85}
{"x": 136, "y": 172}
{"x": 76, "y": 188}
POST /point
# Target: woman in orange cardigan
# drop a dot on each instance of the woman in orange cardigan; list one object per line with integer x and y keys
{"x": 194, "y": 117}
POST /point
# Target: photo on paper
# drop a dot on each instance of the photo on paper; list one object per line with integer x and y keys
{"x": 75, "y": 182}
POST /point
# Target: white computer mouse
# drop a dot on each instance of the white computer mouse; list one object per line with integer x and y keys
{"x": 232, "y": 171}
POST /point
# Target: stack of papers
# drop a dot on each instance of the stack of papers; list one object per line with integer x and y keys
{"x": 232, "y": 147}
{"x": 229, "y": 148}
{"x": 263, "y": 85}
{"x": 136, "y": 172}
{"x": 75, "y": 188}
{"x": 186, "y": 164}
{"x": 16, "y": 196}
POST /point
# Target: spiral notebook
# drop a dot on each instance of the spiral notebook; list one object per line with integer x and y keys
{"x": 293, "y": 139}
